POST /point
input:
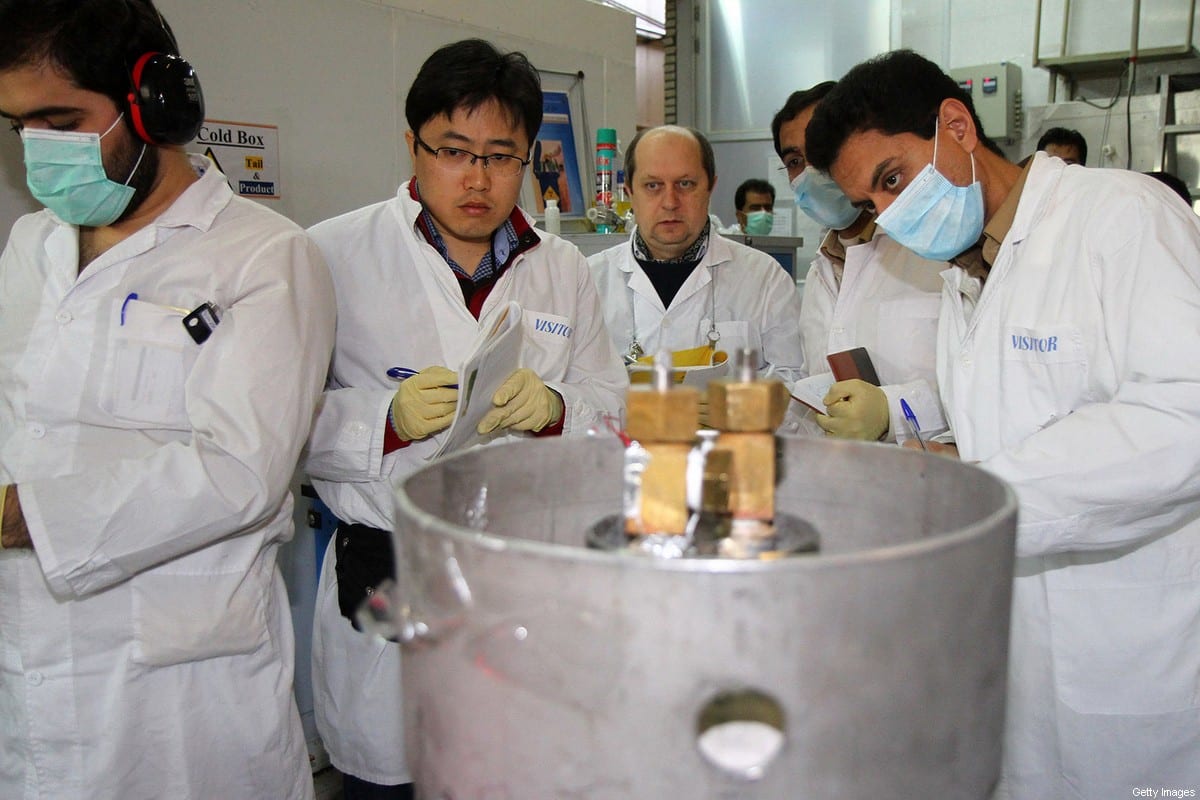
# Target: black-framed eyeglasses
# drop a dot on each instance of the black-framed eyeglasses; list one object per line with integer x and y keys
{"x": 455, "y": 159}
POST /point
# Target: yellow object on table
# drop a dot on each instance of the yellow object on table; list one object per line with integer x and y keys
{"x": 704, "y": 356}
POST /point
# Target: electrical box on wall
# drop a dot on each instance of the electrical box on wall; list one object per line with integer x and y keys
{"x": 995, "y": 89}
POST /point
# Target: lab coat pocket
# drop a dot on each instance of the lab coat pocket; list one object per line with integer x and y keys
{"x": 1127, "y": 649}
{"x": 148, "y": 361}
{"x": 907, "y": 337}
{"x": 180, "y": 618}
{"x": 547, "y": 344}
{"x": 1049, "y": 364}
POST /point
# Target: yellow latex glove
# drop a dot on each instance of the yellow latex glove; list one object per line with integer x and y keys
{"x": 424, "y": 404}
{"x": 523, "y": 403}
{"x": 856, "y": 410}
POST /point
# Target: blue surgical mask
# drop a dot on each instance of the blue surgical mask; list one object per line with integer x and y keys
{"x": 934, "y": 218}
{"x": 65, "y": 172}
{"x": 759, "y": 223}
{"x": 825, "y": 203}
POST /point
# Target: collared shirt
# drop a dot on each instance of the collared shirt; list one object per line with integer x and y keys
{"x": 669, "y": 274}
{"x": 695, "y": 251}
{"x": 834, "y": 247}
{"x": 510, "y": 239}
{"x": 978, "y": 259}
{"x": 504, "y": 242}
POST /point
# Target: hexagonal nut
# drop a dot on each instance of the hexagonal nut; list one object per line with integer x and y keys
{"x": 755, "y": 406}
{"x": 670, "y": 416}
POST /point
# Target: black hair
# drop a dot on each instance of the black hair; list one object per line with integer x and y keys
{"x": 95, "y": 43}
{"x": 796, "y": 103}
{"x": 752, "y": 185}
{"x": 897, "y": 92}
{"x": 1065, "y": 136}
{"x": 1175, "y": 183}
{"x": 467, "y": 75}
{"x": 707, "y": 157}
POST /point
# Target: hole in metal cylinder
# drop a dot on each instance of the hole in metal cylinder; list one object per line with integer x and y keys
{"x": 741, "y": 732}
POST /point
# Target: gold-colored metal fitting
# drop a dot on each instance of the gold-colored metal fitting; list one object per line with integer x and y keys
{"x": 670, "y": 416}
{"x": 754, "y": 406}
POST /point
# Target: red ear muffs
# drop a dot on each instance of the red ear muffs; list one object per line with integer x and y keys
{"x": 166, "y": 104}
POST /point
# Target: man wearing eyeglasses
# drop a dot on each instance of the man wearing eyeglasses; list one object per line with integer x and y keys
{"x": 863, "y": 289}
{"x": 417, "y": 276}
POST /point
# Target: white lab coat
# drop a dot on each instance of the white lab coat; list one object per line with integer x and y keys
{"x": 756, "y": 303}
{"x": 399, "y": 304}
{"x": 1076, "y": 378}
{"x": 888, "y": 303}
{"x": 145, "y": 641}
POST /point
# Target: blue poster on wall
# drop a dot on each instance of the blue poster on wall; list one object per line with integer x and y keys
{"x": 554, "y": 170}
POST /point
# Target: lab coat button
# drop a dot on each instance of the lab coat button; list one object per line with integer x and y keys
{"x": 359, "y": 430}
{"x": 34, "y": 678}
{"x": 37, "y": 430}
{"x": 64, "y": 317}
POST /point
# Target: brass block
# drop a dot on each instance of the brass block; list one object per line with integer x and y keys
{"x": 754, "y": 406}
{"x": 671, "y": 416}
{"x": 752, "y": 477}
{"x": 718, "y": 465}
{"x": 664, "y": 491}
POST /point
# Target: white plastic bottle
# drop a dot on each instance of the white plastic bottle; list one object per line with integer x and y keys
{"x": 553, "y": 221}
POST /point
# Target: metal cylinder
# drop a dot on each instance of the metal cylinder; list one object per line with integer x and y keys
{"x": 534, "y": 667}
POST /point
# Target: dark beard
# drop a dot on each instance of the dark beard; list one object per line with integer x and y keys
{"x": 143, "y": 178}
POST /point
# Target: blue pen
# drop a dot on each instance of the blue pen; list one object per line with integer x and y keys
{"x": 914, "y": 428}
{"x": 128, "y": 297}
{"x": 404, "y": 373}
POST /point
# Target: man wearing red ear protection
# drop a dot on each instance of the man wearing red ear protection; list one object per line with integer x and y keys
{"x": 163, "y": 346}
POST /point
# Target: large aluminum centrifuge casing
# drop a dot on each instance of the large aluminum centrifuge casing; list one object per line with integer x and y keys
{"x": 536, "y": 668}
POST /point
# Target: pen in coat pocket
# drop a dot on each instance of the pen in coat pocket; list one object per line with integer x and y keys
{"x": 404, "y": 373}
{"x": 914, "y": 429}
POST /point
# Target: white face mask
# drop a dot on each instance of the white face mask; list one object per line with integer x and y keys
{"x": 934, "y": 218}
{"x": 823, "y": 200}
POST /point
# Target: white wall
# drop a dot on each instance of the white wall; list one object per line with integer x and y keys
{"x": 962, "y": 33}
{"x": 333, "y": 74}
{"x": 756, "y": 53}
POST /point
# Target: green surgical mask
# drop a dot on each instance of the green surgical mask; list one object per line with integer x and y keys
{"x": 759, "y": 223}
{"x": 65, "y": 172}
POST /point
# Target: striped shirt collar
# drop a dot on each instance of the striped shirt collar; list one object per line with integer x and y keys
{"x": 505, "y": 242}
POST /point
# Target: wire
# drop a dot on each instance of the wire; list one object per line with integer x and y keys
{"x": 1116, "y": 95}
{"x": 1111, "y": 104}
{"x": 1129, "y": 125}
